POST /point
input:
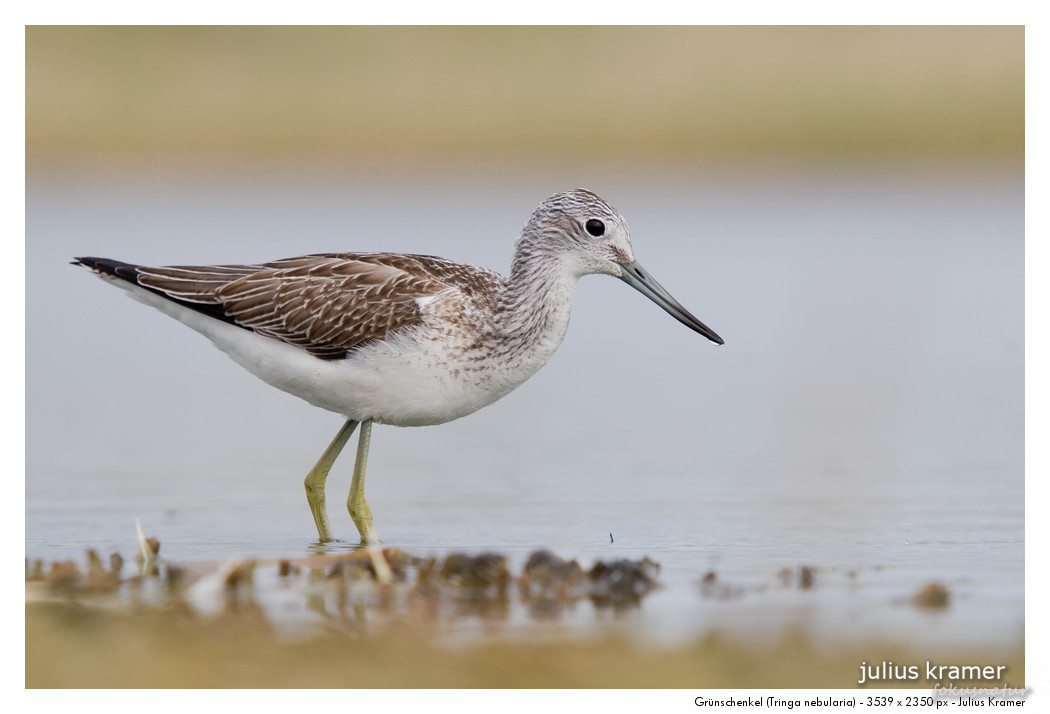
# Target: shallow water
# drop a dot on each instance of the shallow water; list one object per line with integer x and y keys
{"x": 865, "y": 415}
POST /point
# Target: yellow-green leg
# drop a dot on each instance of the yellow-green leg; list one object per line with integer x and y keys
{"x": 356, "y": 503}
{"x": 316, "y": 478}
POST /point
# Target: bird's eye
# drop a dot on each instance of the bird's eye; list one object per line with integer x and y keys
{"x": 595, "y": 227}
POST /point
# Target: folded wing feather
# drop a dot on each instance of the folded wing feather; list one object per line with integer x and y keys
{"x": 326, "y": 304}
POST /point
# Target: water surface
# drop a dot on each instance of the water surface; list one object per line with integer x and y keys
{"x": 864, "y": 417}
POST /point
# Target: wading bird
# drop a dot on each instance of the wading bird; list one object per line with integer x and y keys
{"x": 408, "y": 340}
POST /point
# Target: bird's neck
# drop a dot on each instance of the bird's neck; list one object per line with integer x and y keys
{"x": 537, "y": 301}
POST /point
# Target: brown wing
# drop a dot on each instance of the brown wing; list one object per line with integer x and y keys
{"x": 326, "y": 304}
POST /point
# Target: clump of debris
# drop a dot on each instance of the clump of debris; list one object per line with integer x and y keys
{"x": 345, "y": 587}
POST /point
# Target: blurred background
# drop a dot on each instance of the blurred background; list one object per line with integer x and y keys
{"x": 843, "y": 205}
{"x": 527, "y": 95}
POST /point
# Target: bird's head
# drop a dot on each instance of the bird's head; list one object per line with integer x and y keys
{"x": 582, "y": 232}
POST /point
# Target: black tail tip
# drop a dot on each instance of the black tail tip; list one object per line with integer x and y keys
{"x": 117, "y": 268}
{"x": 89, "y": 262}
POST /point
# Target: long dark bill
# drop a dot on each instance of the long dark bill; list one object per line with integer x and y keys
{"x": 638, "y": 278}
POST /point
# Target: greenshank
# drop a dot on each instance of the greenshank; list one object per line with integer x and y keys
{"x": 392, "y": 338}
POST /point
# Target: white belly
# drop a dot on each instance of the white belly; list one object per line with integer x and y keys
{"x": 402, "y": 381}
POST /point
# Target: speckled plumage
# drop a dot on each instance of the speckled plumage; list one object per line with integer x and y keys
{"x": 401, "y": 339}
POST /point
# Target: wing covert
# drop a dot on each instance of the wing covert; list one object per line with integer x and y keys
{"x": 325, "y": 304}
